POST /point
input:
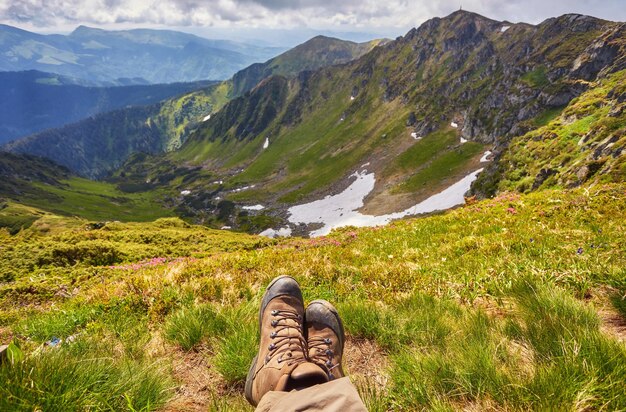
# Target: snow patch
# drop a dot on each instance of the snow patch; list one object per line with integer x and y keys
{"x": 504, "y": 28}
{"x": 463, "y": 140}
{"x": 454, "y": 124}
{"x": 207, "y": 117}
{"x": 341, "y": 209}
{"x": 266, "y": 144}
{"x": 185, "y": 192}
{"x": 271, "y": 233}
{"x": 218, "y": 182}
{"x": 415, "y": 136}
{"x": 225, "y": 227}
{"x": 351, "y": 98}
{"x": 243, "y": 188}
{"x": 485, "y": 157}
{"x": 255, "y": 207}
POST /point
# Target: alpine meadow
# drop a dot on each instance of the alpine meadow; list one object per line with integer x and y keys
{"x": 458, "y": 194}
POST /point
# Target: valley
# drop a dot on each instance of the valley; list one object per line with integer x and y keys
{"x": 458, "y": 194}
{"x": 298, "y": 136}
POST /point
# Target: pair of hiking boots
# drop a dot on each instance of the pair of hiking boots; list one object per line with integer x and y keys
{"x": 298, "y": 348}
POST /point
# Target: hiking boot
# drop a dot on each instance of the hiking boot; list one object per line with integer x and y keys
{"x": 281, "y": 363}
{"x": 325, "y": 337}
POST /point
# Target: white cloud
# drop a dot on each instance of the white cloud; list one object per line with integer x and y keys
{"x": 323, "y": 14}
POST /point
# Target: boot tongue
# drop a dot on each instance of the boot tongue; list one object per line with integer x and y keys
{"x": 305, "y": 375}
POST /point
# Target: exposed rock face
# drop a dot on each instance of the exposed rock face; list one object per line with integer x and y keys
{"x": 603, "y": 53}
{"x": 465, "y": 63}
{"x": 464, "y": 68}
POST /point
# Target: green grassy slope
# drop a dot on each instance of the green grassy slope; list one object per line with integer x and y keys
{"x": 321, "y": 126}
{"x": 507, "y": 304}
{"x": 33, "y": 101}
{"x": 585, "y": 144}
{"x": 36, "y": 182}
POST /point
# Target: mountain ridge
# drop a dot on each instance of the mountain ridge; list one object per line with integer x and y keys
{"x": 98, "y": 55}
{"x": 32, "y": 101}
{"x": 168, "y": 124}
{"x": 464, "y": 41}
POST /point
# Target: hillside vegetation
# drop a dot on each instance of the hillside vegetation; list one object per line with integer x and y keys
{"x": 585, "y": 143}
{"x": 33, "y": 101}
{"x": 493, "y": 81}
{"x": 513, "y": 303}
{"x": 96, "y": 146}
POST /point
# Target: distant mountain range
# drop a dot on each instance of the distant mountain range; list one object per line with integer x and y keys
{"x": 32, "y": 101}
{"x": 127, "y": 57}
{"x": 96, "y": 146}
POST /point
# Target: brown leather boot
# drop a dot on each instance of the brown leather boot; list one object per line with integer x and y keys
{"x": 325, "y": 337}
{"x": 281, "y": 363}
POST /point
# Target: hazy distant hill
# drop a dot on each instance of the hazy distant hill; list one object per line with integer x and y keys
{"x": 123, "y": 57}
{"x": 33, "y": 101}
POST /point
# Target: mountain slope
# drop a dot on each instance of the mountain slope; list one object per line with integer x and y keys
{"x": 318, "y": 52}
{"x": 120, "y": 57}
{"x": 584, "y": 144}
{"x": 33, "y": 101}
{"x": 30, "y": 181}
{"x": 491, "y": 79}
{"x": 90, "y": 147}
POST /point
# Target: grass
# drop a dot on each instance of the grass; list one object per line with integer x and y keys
{"x": 83, "y": 376}
{"x": 422, "y": 151}
{"x": 15, "y": 217}
{"x": 441, "y": 167}
{"x": 468, "y": 309}
{"x": 583, "y": 144}
{"x": 86, "y": 198}
{"x": 190, "y": 325}
{"x": 536, "y": 78}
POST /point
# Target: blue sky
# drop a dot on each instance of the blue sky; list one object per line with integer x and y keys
{"x": 267, "y": 19}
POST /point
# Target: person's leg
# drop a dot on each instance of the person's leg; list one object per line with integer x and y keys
{"x": 338, "y": 395}
{"x": 281, "y": 363}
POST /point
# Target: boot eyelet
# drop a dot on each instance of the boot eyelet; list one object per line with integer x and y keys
{"x": 273, "y": 335}
{"x": 274, "y": 322}
{"x": 274, "y": 312}
{"x": 328, "y": 341}
{"x": 329, "y": 363}
{"x": 329, "y": 352}
{"x": 280, "y": 359}
{"x": 272, "y": 346}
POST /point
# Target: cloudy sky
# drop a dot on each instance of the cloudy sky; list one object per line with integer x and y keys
{"x": 388, "y": 17}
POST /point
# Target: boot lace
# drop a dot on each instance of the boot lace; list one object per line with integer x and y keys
{"x": 321, "y": 354}
{"x": 288, "y": 346}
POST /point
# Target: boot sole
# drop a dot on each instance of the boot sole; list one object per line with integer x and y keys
{"x": 249, "y": 380}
